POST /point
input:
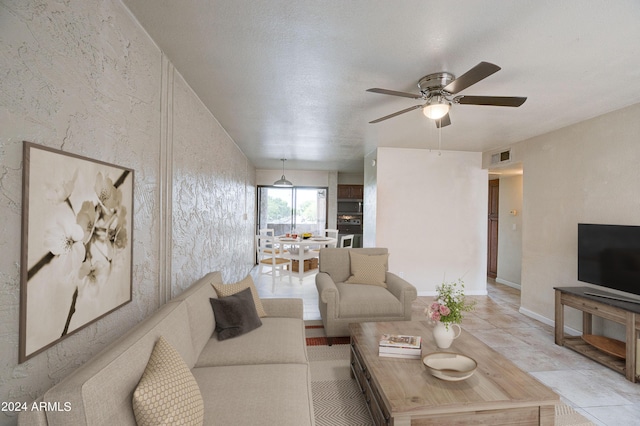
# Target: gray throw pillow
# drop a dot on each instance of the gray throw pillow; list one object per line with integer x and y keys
{"x": 235, "y": 315}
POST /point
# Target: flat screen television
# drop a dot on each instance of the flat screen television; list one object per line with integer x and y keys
{"x": 609, "y": 256}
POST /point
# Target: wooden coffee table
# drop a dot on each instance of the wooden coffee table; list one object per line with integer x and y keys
{"x": 402, "y": 392}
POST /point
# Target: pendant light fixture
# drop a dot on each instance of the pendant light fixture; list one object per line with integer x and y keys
{"x": 283, "y": 182}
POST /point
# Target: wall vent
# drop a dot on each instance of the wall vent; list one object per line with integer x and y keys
{"x": 501, "y": 157}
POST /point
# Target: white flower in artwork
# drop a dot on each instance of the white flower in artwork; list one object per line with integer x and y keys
{"x": 107, "y": 193}
{"x": 87, "y": 218}
{"x": 64, "y": 240}
{"x": 92, "y": 274}
{"x": 59, "y": 192}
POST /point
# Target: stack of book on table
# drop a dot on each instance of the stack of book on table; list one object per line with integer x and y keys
{"x": 400, "y": 346}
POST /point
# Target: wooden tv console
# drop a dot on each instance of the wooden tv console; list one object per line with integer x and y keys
{"x": 604, "y": 306}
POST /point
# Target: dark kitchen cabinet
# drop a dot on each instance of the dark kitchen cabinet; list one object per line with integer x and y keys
{"x": 350, "y": 200}
{"x": 350, "y": 192}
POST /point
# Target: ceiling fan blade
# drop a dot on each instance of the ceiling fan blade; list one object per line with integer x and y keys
{"x": 507, "y": 101}
{"x": 395, "y": 114}
{"x": 443, "y": 122}
{"x": 395, "y": 93}
{"x": 474, "y": 75}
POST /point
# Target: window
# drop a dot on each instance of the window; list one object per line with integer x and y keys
{"x": 294, "y": 210}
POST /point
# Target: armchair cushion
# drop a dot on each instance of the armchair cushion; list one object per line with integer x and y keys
{"x": 367, "y": 301}
{"x": 368, "y": 269}
{"x": 336, "y": 261}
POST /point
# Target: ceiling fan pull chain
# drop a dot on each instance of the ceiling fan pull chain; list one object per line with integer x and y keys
{"x": 440, "y": 139}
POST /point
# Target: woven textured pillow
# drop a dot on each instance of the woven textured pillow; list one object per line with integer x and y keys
{"x": 224, "y": 290}
{"x": 167, "y": 393}
{"x": 368, "y": 269}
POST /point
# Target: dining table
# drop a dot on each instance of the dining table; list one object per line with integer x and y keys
{"x": 302, "y": 249}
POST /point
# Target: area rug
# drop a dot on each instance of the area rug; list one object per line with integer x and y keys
{"x": 337, "y": 400}
{"x": 316, "y": 337}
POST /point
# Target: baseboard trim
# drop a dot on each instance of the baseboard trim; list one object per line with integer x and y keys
{"x": 508, "y": 283}
{"x": 545, "y": 320}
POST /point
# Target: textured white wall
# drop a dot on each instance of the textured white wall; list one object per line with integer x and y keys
{"x": 210, "y": 197}
{"x": 83, "y": 77}
{"x": 431, "y": 212}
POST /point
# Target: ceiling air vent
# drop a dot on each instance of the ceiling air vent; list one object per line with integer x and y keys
{"x": 501, "y": 157}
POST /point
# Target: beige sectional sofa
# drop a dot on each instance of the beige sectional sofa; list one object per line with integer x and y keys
{"x": 259, "y": 378}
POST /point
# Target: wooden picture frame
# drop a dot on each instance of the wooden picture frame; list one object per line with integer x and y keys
{"x": 77, "y": 244}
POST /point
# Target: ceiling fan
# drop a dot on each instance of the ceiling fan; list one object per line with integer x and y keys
{"x": 438, "y": 89}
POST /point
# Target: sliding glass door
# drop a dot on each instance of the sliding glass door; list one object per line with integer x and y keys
{"x": 292, "y": 210}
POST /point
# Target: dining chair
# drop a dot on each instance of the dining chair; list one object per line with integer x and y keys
{"x": 269, "y": 232}
{"x": 331, "y": 233}
{"x": 346, "y": 241}
{"x": 268, "y": 257}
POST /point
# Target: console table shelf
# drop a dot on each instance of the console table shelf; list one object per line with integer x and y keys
{"x": 590, "y": 351}
{"x": 621, "y": 312}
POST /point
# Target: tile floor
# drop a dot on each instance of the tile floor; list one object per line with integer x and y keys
{"x": 598, "y": 393}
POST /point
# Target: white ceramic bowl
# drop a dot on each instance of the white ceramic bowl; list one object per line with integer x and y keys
{"x": 450, "y": 366}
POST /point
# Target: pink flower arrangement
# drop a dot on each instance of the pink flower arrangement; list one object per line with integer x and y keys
{"x": 449, "y": 304}
{"x": 436, "y": 311}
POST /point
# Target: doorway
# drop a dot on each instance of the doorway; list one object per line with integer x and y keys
{"x": 504, "y": 225}
{"x": 492, "y": 228}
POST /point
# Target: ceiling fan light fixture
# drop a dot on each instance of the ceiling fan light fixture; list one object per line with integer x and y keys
{"x": 436, "y": 108}
{"x": 283, "y": 182}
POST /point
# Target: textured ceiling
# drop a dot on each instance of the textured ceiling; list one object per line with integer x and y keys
{"x": 288, "y": 78}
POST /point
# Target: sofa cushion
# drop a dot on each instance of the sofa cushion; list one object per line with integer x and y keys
{"x": 201, "y": 320}
{"x": 367, "y": 301}
{"x": 278, "y": 341}
{"x": 167, "y": 392}
{"x": 284, "y": 307}
{"x": 275, "y": 394}
{"x": 368, "y": 269}
{"x": 235, "y": 315}
{"x": 225, "y": 290}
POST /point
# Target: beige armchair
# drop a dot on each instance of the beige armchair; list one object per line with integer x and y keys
{"x": 342, "y": 302}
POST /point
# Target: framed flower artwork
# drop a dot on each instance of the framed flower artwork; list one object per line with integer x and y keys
{"x": 77, "y": 244}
